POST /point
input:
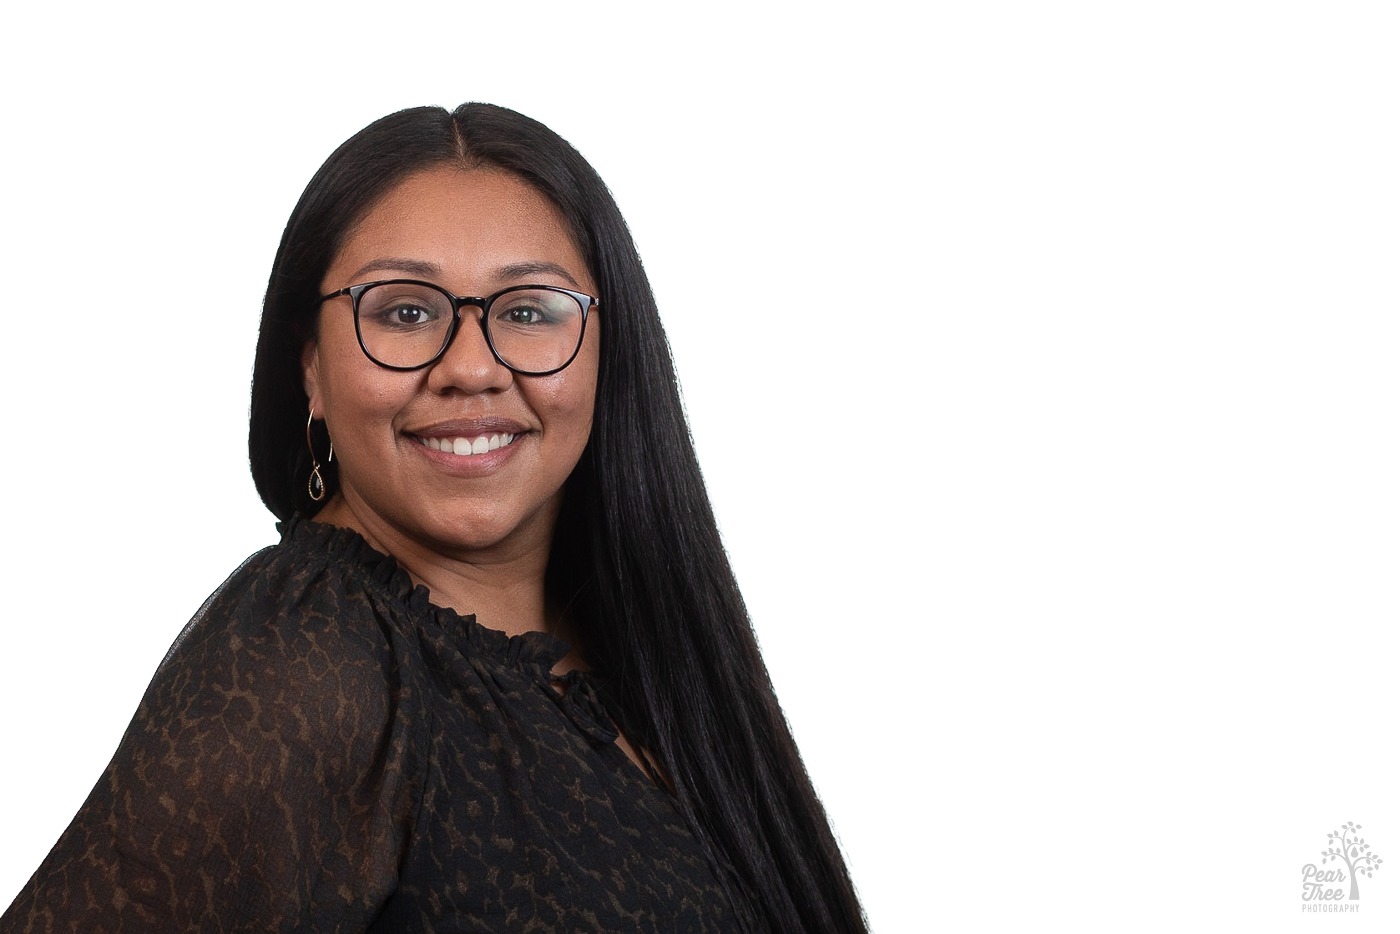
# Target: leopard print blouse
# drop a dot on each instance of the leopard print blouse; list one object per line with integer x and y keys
{"x": 325, "y": 750}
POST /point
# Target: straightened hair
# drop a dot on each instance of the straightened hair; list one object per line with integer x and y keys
{"x": 637, "y": 553}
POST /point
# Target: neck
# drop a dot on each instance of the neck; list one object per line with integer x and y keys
{"x": 503, "y": 586}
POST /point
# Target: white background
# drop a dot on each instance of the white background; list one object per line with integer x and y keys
{"x": 1041, "y": 359}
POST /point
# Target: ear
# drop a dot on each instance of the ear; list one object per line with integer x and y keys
{"x": 311, "y": 377}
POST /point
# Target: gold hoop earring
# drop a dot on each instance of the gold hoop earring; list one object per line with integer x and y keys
{"x": 316, "y": 484}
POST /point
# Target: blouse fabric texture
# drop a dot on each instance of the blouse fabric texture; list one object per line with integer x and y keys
{"x": 326, "y": 750}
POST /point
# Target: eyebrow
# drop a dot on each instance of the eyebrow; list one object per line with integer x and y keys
{"x": 419, "y": 268}
{"x": 534, "y": 268}
{"x": 414, "y": 267}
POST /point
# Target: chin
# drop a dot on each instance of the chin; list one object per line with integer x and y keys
{"x": 470, "y": 530}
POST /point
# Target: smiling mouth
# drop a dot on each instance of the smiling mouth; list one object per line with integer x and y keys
{"x": 464, "y": 446}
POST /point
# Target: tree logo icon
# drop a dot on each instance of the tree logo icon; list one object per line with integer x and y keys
{"x": 1349, "y": 848}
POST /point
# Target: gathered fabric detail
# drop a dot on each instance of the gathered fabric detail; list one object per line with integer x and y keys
{"x": 577, "y": 697}
{"x": 383, "y": 574}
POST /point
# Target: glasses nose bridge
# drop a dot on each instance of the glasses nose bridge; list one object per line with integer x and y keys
{"x": 469, "y": 301}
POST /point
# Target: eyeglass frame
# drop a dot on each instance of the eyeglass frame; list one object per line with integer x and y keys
{"x": 586, "y": 303}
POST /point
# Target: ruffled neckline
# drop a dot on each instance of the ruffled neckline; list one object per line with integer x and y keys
{"x": 384, "y": 574}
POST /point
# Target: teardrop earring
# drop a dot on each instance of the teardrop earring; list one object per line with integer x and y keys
{"x": 316, "y": 484}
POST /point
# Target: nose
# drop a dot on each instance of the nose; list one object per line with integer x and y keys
{"x": 468, "y": 365}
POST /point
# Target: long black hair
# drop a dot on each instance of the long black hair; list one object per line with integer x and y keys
{"x": 636, "y": 552}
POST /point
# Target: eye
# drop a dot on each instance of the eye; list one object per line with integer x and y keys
{"x": 406, "y": 315}
{"x": 534, "y": 310}
{"x": 404, "y": 307}
{"x": 523, "y": 314}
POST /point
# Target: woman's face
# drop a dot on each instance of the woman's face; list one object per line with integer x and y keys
{"x": 397, "y": 434}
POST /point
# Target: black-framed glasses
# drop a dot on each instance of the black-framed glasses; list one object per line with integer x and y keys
{"x": 406, "y": 324}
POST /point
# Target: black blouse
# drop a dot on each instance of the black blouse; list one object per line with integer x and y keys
{"x": 325, "y": 750}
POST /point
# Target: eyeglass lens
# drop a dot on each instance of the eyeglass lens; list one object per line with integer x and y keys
{"x": 407, "y": 324}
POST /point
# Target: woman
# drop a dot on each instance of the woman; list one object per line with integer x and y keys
{"x": 497, "y": 674}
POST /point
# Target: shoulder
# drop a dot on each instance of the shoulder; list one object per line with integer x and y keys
{"x": 320, "y": 589}
{"x": 311, "y": 625}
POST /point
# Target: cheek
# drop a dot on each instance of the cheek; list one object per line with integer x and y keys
{"x": 583, "y": 392}
{"x": 361, "y": 399}
{"x": 587, "y": 365}
{"x": 567, "y": 407}
{"x": 565, "y": 402}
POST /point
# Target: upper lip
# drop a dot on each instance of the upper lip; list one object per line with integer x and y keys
{"x": 468, "y": 428}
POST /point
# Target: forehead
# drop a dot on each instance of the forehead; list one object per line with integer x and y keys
{"x": 468, "y": 222}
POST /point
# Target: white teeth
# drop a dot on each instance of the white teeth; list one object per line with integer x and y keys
{"x": 468, "y": 446}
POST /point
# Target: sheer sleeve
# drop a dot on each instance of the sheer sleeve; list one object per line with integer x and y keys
{"x": 261, "y": 786}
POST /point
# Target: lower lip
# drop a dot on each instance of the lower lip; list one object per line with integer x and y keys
{"x": 469, "y": 465}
